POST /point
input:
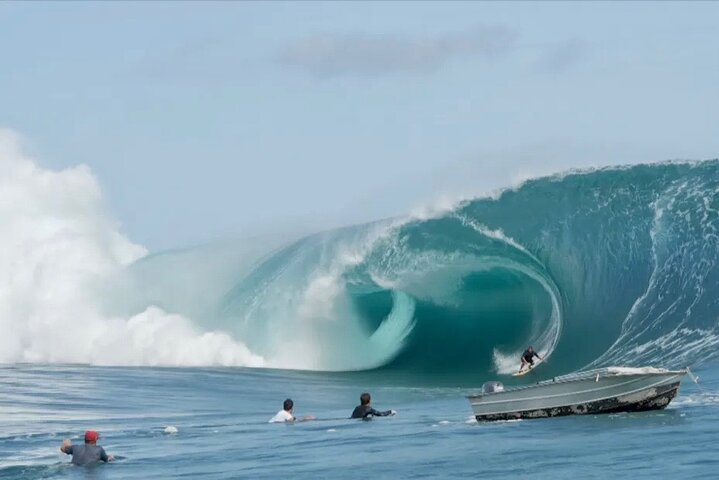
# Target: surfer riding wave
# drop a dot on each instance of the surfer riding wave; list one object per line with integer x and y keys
{"x": 527, "y": 359}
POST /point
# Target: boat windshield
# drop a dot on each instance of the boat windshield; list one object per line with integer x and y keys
{"x": 492, "y": 387}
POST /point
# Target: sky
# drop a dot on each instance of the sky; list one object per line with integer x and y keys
{"x": 204, "y": 121}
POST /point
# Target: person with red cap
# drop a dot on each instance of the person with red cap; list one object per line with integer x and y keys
{"x": 87, "y": 454}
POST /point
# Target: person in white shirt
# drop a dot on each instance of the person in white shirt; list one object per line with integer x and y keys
{"x": 287, "y": 414}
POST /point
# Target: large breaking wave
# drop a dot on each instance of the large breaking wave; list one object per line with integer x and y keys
{"x": 611, "y": 266}
{"x": 58, "y": 255}
{"x": 592, "y": 268}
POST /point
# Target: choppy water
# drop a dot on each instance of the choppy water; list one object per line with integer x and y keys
{"x": 221, "y": 416}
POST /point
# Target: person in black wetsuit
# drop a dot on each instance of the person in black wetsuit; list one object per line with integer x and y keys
{"x": 365, "y": 410}
{"x": 527, "y": 358}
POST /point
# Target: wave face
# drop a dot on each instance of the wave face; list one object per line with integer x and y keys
{"x": 613, "y": 266}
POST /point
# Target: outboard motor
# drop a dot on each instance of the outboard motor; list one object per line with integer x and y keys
{"x": 492, "y": 387}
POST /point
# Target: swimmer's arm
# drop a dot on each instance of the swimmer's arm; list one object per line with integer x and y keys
{"x": 66, "y": 447}
{"x": 300, "y": 419}
{"x": 105, "y": 457}
{"x": 377, "y": 413}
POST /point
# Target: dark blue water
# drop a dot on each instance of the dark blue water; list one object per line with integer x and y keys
{"x": 221, "y": 416}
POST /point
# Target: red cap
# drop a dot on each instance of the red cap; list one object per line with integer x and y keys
{"x": 91, "y": 436}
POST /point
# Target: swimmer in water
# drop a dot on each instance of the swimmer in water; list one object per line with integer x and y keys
{"x": 365, "y": 410}
{"x": 287, "y": 414}
{"x": 87, "y": 454}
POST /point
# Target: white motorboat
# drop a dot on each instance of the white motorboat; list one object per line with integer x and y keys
{"x": 606, "y": 390}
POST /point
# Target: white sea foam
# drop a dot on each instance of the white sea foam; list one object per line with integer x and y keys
{"x": 441, "y": 206}
{"x": 58, "y": 245}
{"x": 324, "y": 331}
{"x": 697, "y": 399}
{"x": 496, "y": 234}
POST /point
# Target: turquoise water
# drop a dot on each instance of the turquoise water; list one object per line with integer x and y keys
{"x": 615, "y": 266}
{"x": 221, "y": 416}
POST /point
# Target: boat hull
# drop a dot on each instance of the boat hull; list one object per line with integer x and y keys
{"x": 610, "y": 405}
{"x": 608, "y": 394}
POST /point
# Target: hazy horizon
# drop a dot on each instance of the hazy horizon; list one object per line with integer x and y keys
{"x": 233, "y": 119}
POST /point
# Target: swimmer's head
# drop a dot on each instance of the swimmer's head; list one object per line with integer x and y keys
{"x": 91, "y": 436}
{"x": 365, "y": 399}
{"x": 288, "y": 404}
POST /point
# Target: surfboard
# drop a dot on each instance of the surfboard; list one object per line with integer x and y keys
{"x": 528, "y": 369}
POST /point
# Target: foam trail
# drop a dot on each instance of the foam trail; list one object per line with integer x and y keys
{"x": 497, "y": 234}
{"x": 58, "y": 245}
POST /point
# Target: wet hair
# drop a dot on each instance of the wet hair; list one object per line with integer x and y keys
{"x": 288, "y": 404}
{"x": 530, "y": 348}
{"x": 365, "y": 398}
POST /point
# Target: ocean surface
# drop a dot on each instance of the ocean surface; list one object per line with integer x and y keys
{"x": 222, "y": 431}
{"x": 614, "y": 266}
